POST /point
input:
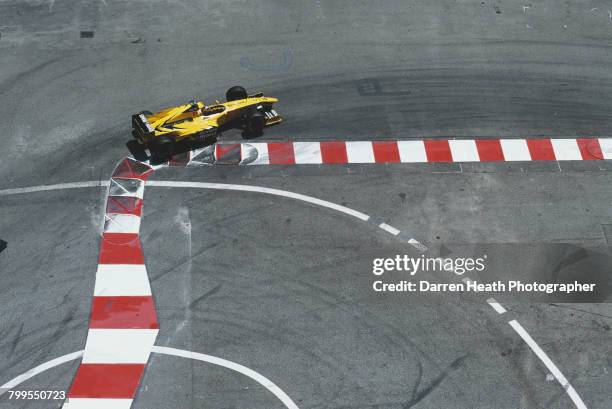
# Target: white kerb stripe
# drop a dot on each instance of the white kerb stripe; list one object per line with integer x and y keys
{"x": 307, "y": 152}
{"x": 116, "y": 188}
{"x": 464, "y": 150}
{"x": 606, "y": 147}
{"x": 359, "y": 152}
{"x": 515, "y": 150}
{"x": 262, "y": 154}
{"x": 549, "y": 364}
{"x": 412, "y": 151}
{"x": 566, "y": 149}
{"x": 122, "y": 280}
{"x": 121, "y": 223}
{"x": 93, "y": 403}
{"x": 119, "y": 346}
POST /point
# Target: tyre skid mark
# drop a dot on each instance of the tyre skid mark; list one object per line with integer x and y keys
{"x": 135, "y": 189}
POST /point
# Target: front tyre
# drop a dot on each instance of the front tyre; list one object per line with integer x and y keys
{"x": 255, "y": 123}
{"x": 235, "y": 93}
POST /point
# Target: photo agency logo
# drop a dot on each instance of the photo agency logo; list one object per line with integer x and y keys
{"x": 413, "y": 265}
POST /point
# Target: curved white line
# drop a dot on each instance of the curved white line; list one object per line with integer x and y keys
{"x": 219, "y": 186}
{"x": 573, "y": 394}
{"x": 40, "y": 368}
{"x": 59, "y": 186}
{"x": 262, "y": 380}
{"x": 256, "y": 376}
{"x": 549, "y": 364}
{"x": 259, "y": 189}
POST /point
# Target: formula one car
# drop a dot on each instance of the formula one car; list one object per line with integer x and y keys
{"x": 198, "y": 122}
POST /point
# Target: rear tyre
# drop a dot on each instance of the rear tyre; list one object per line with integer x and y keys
{"x": 163, "y": 147}
{"x": 235, "y": 93}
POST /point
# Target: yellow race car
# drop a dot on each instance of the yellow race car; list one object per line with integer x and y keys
{"x": 200, "y": 123}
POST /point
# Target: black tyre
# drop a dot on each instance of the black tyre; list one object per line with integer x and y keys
{"x": 235, "y": 93}
{"x": 163, "y": 147}
{"x": 255, "y": 123}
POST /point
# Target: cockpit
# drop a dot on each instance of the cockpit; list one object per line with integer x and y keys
{"x": 212, "y": 110}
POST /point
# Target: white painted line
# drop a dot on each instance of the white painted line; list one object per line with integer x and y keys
{"x": 307, "y": 153}
{"x": 122, "y": 280}
{"x": 38, "y": 369}
{"x": 412, "y": 151}
{"x": 549, "y": 364}
{"x": 59, "y": 186}
{"x": 262, "y": 380}
{"x": 221, "y": 186}
{"x": 119, "y": 346}
{"x": 359, "y": 152}
{"x": 121, "y": 223}
{"x": 97, "y": 403}
{"x": 389, "y": 229}
{"x": 262, "y": 154}
{"x": 464, "y": 150}
{"x": 496, "y": 306}
{"x": 259, "y": 189}
{"x": 566, "y": 149}
{"x": 417, "y": 245}
{"x": 515, "y": 150}
{"x": 126, "y": 187}
{"x": 606, "y": 147}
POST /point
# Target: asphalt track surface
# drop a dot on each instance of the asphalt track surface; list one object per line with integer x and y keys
{"x": 280, "y": 286}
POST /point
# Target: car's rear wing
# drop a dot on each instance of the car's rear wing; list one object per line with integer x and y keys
{"x": 142, "y": 129}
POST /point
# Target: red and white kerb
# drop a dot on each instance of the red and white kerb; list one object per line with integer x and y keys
{"x": 414, "y": 151}
{"x": 123, "y": 323}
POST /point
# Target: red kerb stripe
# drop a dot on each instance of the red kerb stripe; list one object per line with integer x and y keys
{"x": 489, "y": 150}
{"x": 333, "y": 152}
{"x": 541, "y": 149}
{"x": 438, "y": 151}
{"x": 131, "y": 168}
{"x": 114, "y": 381}
{"x": 180, "y": 159}
{"x": 385, "y": 152}
{"x": 123, "y": 312}
{"x": 124, "y": 205}
{"x": 224, "y": 149}
{"x": 120, "y": 248}
{"x": 590, "y": 149}
{"x": 281, "y": 153}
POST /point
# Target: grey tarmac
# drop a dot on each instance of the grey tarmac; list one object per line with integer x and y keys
{"x": 283, "y": 287}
